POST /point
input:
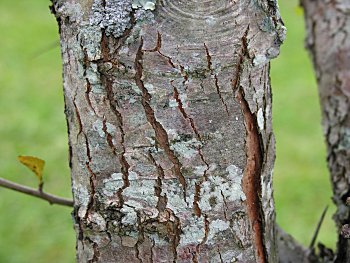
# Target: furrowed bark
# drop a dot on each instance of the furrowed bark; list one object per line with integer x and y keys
{"x": 328, "y": 26}
{"x": 169, "y": 115}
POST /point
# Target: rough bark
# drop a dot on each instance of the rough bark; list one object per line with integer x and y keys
{"x": 168, "y": 106}
{"x": 328, "y": 26}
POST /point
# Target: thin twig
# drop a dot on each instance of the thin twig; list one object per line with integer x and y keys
{"x": 313, "y": 241}
{"x": 52, "y": 199}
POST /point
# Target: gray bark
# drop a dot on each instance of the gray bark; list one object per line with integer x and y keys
{"x": 328, "y": 27}
{"x": 168, "y": 106}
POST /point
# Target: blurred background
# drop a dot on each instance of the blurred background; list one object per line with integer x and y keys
{"x": 32, "y": 122}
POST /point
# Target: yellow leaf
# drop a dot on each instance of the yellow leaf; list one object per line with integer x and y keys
{"x": 34, "y": 164}
{"x": 299, "y": 11}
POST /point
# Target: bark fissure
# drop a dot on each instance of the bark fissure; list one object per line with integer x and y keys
{"x": 176, "y": 235}
{"x": 225, "y": 204}
{"x": 92, "y": 181}
{"x": 183, "y": 112}
{"x": 109, "y": 137}
{"x": 215, "y": 76}
{"x": 196, "y": 198}
{"x": 206, "y": 233}
{"x": 157, "y": 49}
{"x": 160, "y": 132}
{"x": 96, "y": 251}
{"x": 252, "y": 177}
{"x": 219, "y": 93}
{"x": 108, "y": 84}
{"x": 162, "y": 200}
{"x": 220, "y": 256}
{"x": 243, "y": 54}
{"x": 86, "y": 64}
{"x": 140, "y": 237}
{"x": 77, "y": 113}
{"x": 87, "y": 95}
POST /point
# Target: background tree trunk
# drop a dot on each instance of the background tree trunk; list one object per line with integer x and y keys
{"x": 328, "y": 26}
{"x": 168, "y": 105}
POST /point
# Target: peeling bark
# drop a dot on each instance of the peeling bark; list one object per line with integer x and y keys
{"x": 169, "y": 115}
{"x": 328, "y": 26}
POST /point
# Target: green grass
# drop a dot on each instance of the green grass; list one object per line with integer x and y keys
{"x": 33, "y": 123}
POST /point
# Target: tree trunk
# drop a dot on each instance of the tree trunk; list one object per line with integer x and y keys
{"x": 328, "y": 26}
{"x": 168, "y": 105}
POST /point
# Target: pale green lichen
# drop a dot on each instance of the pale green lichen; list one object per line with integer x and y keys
{"x": 186, "y": 149}
{"x": 216, "y": 227}
{"x": 173, "y": 103}
{"x": 98, "y": 220}
{"x": 130, "y": 216}
{"x": 344, "y": 142}
{"x": 173, "y": 191}
{"x": 93, "y": 75}
{"x": 115, "y": 16}
{"x": 81, "y": 199}
{"x": 228, "y": 187}
{"x": 112, "y": 184}
{"x": 260, "y": 119}
{"x": 90, "y": 39}
{"x": 147, "y": 5}
{"x": 260, "y": 60}
{"x": 98, "y": 127}
{"x": 193, "y": 232}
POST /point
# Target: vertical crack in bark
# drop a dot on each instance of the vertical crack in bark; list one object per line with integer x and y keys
{"x": 209, "y": 65}
{"x": 92, "y": 178}
{"x": 87, "y": 163}
{"x": 196, "y": 199}
{"x": 108, "y": 84}
{"x": 252, "y": 178}
{"x": 140, "y": 238}
{"x": 160, "y": 132}
{"x": 77, "y": 113}
{"x": 87, "y": 95}
{"x": 162, "y": 200}
{"x": 108, "y": 137}
{"x": 195, "y": 257}
{"x": 176, "y": 235}
{"x": 183, "y": 112}
{"x": 168, "y": 58}
{"x": 152, "y": 247}
{"x": 157, "y": 49}
{"x": 96, "y": 252}
{"x": 220, "y": 256}
{"x": 93, "y": 189}
{"x": 243, "y": 53}
{"x": 225, "y": 204}
{"x": 86, "y": 64}
{"x": 206, "y": 233}
{"x": 184, "y": 75}
{"x": 219, "y": 93}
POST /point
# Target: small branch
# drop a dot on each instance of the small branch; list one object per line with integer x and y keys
{"x": 52, "y": 199}
{"x": 313, "y": 241}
